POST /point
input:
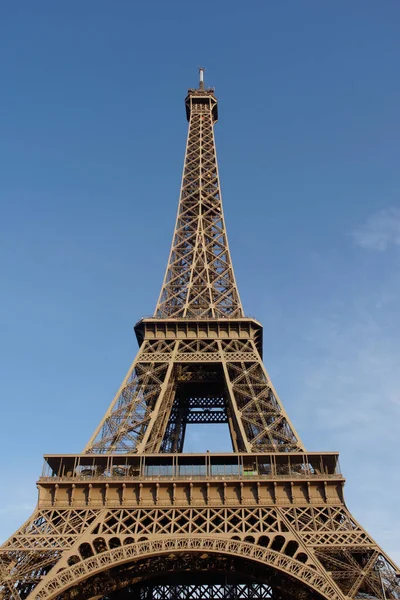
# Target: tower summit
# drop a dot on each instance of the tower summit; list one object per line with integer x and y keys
{"x": 134, "y": 516}
{"x": 201, "y": 77}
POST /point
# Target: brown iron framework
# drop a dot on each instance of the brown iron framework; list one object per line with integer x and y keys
{"x": 135, "y": 517}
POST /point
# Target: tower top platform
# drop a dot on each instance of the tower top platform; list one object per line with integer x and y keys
{"x": 197, "y": 97}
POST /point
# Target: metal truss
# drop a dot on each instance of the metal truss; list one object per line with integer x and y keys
{"x": 199, "y": 281}
{"x": 54, "y": 546}
{"x": 239, "y": 591}
{"x": 134, "y": 517}
{"x": 177, "y": 382}
{"x": 207, "y": 592}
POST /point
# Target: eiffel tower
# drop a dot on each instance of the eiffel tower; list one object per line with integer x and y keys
{"x": 133, "y": 516}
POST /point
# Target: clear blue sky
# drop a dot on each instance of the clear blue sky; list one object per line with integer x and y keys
{"x": 92, "y": 140}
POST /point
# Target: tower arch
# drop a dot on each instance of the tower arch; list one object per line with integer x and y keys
{"x": 266, "y": 562}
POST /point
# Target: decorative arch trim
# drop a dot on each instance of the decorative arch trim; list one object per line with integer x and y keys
{"x": 55, "y": 585}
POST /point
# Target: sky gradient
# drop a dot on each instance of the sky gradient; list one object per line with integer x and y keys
{"x": 92, "y": 140}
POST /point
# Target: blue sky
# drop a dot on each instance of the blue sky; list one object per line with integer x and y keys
{"x": 91, "y": 150}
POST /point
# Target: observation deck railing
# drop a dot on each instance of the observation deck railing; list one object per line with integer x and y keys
{"x": 206, "y": 466}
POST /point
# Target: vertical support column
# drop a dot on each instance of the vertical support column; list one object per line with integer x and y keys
{"x": 154, "y": 433}
{"x": 238, "y": 435}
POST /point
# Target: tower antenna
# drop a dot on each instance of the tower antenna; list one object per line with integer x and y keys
{"x": 201, "y": 77}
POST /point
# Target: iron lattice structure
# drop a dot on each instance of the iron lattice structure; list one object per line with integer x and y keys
{"x": 133, "y": 516}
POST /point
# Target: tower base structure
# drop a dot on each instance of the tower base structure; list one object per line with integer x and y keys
{"x": 191, "y": 526}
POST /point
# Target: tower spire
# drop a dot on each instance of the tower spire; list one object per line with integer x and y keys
{"x": 201, "y": 77}
{"x": 199, "y": 280}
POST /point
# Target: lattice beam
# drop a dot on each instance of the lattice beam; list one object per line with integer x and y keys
{"x": 199, "y": 281}
{"x": 167, "y": 388}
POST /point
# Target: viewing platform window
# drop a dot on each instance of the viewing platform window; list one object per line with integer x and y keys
{"x": 271, "y": 465}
